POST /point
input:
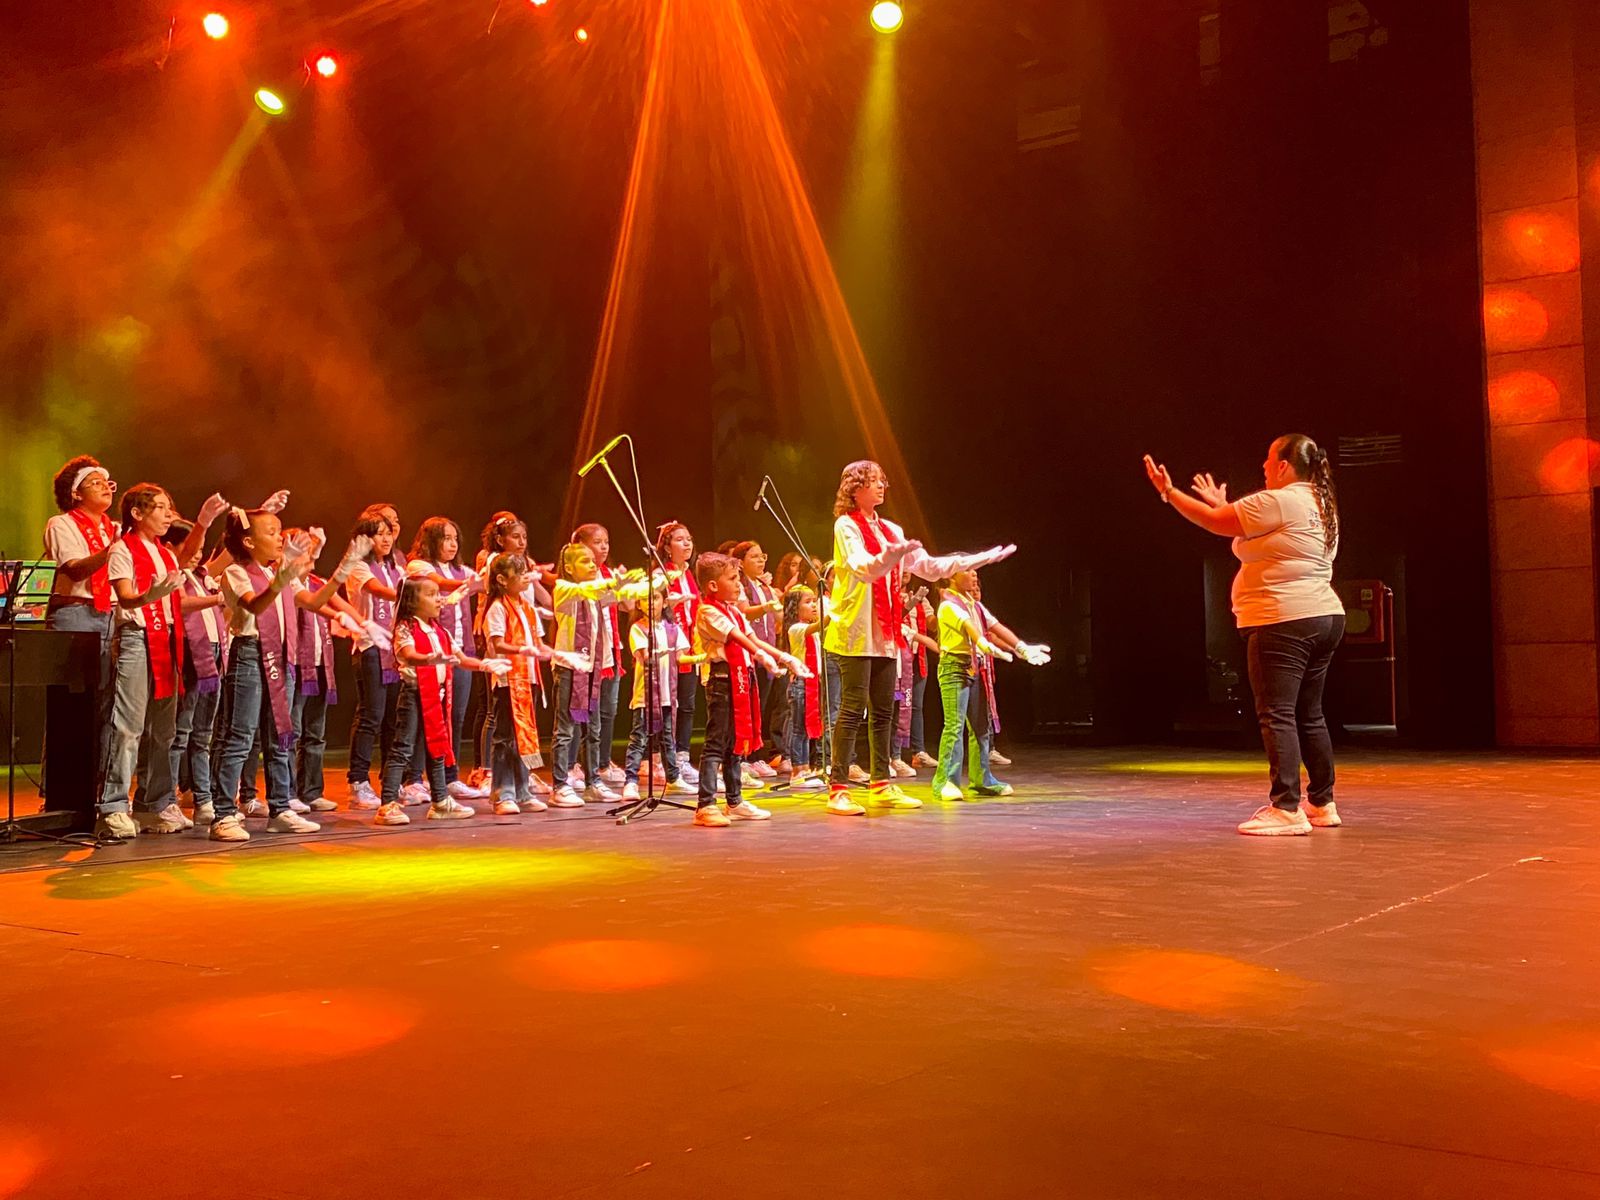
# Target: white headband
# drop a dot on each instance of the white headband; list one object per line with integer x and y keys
{"x": 84, "y": 473}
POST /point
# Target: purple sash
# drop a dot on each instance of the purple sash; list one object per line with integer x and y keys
{"x": 755, "y": 592}
{"x": 277, "y": 653}
{"x": 203, "y": 652}
{"x": 458, "y": 625}
{"x": 383, "y": 613}
{"x": 585, "y": 704}
{"x": 666, "y": 632}
{"x": 315, "y": 679}
{"x": 985, "y": 666}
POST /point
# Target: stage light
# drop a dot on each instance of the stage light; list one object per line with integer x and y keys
{"x": 582, "y": 35}
{"x": 215, "y": 25}
{"x": 269, "y": 102}
{"x": 538, "y": 3}
{"x": 887, "y": 16}
{"x": 327, "y": 66}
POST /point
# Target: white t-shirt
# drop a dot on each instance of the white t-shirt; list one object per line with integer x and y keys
{"x": 236, "y": 584}
{"x": 63, "y": 543}
{"x": 355, "y": 590}
{"x": 669, "y": 638}
{"x": 1285, "y": 570}
{"x": 494, "y": 626}
{"x": 119, "y": 565}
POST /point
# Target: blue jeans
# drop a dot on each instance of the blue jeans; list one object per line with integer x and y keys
{"x": 310, "y": 743}
{"x": 919, "y": 694}
{"x": 965, "y": 703}
{"x": 192, "y": 743}
{"x": 246, "y": 708}
{"x": 717, "y": 754}
{"x": 569, "y": 740}
{"x": 510, "y": 772}
{"x": 372, "y": 727}
{"x": 461, "y": 682}
{"x": 660, "y": 741}
{"x": 688, "y": 692}
{"x": 803, "y": 751}
{"x": 605, "y": 729}
{"x": 136, "y": 717}
{"x": 407, "y": 727}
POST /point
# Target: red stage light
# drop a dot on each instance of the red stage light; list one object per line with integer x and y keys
{"x": 1570, "y": 466}
{"x": 1518, "y": 397}
{"x": 327, "y": 66}
{"x": 1513, "y": 320}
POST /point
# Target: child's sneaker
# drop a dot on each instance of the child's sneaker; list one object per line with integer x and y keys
{"x": 745, "y": 811}
{"x": 229, "y": 829}
{"x": 531, "y": 803}
{"x": 840, "y": 803}
{"x": 630, "y": 791}
{"x": 566, "y": 797}
{"x": 291, "y": 822}
{"x": 362, "y": 796}
{"x": 450, "y": 809}
{"x": 709, "y": 816}
{"x": 391, "y": 814}
{"x": 612, "y": 774}
{"x": 599, "y": 793}
{"x": 889, "y": 796}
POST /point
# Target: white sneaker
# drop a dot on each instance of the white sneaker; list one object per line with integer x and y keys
{"x": 205, "y": 813}
{"x": 751, "y": 781}
{"x": 362, "y": 796}
{"x": 857, "y": 775}
{"x": 902, "y": 769}
{"x": 599, "y": 793}
{"x": 761, "y": 770}
{"x": 450, "y": 809}
{"x": 391, "y": 814}
{"x": 950, "y": 791}
{"x": 1323, "y": 817}
{"x": 532, "y": 804}
{"x": 575, "y": 776}
{"x": 566, "y": 797}
{"x": 745, "y": 811}
{"x": 1273, "y": 822}
{"x": 538, "y": 786}
{"x": 321, "y": 804}
{"x": 461, "y": 790}
{"x": 630, "y": 791}
{"x": 291, "y": 822}
{"x": 841, "y": 805}
{"x": 117, "y": 827}
{"x": 687, "y": 769}
{"x": 507, "y": 808}
{"x": 722, "y": 785}
{"x": 169, "y": 820}
{"x": 229, "y": 829}
{"x": 891, "y": 796}
{"x": 682, "y": 787}
{"x": 612, "y": 774}
{"x": 413, "y": 794}
{"x": 806, "y": 782}
{"x": 923, "y": 759}
{"x": 710, "y": 817}
{"x": 298, "y": 805}
{"x": 999, "y": 789}
{"x": 998, "y": 759}
{"x": 255, "y": 808}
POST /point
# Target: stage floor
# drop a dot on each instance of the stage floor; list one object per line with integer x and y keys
{"x": 1094, "y": 989}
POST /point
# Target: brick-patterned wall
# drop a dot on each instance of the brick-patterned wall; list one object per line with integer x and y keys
{"x": 1537, "y": 189}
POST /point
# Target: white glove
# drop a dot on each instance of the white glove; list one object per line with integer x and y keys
{"x": 895, "y": 551}
{"x": 457, "y": 596}
{"x": 581, "y": 663}
{"x": 378, "y": 635}
{"x": 1034, "y": 656}
{"x": 164, "y": 587}
{"x": 319, "y": 540}
{"x": 345, "y": 621}
{"x": 993, "y": 651}
{"x": 984, "y": 558}
{"x": 213, "y": 508}
{"x": 277, "y": 502}
{"x": 797, "y": 668}
{"x": 360, "y": 546}
{"x": 296, "y": 548}
{"x": 498, "y": 667}
{"x": 768, "y": 662}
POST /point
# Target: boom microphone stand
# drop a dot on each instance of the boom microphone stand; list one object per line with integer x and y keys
{"x": 649, "y": 802}
{"x": 787, "y": 525}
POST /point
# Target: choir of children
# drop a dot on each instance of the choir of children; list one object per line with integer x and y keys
{"x": 211, "y": 662}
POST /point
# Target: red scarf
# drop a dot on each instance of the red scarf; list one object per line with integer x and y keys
{"x": 436, "y": 689}
{"x": 886, "y": 598}
{"x": 683, "y": 608}
{"x": 97, "y": 535}
{"x": 922, "y": 651}
{"x": 985, "y": 665}
{"x": 814, "y": 686}
{"x": 609, "y": 611}
{"x": 746, "y": 699}
{"x": 163, "y": 619}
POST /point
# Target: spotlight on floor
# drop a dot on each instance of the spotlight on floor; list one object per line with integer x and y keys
{"x": 326, "y": 65}
{"x": 215, "y": 25}
{"x": 887, "y": 16}
{"x": 581, "y": 36}
{"x": 270, "y": 102}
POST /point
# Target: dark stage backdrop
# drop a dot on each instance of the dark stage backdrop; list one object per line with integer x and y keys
{"x": 1250, "y": 224}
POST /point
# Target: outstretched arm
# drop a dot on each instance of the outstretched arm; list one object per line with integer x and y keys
{"x": 1210, "y": 509}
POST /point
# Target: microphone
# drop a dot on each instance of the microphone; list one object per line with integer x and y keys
{"x": 604, "y": 450}
{"x": 762, "y": 495}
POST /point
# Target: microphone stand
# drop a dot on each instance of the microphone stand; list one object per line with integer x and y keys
{"x": 787, "y": 525}
{"x": 649, "y": 802}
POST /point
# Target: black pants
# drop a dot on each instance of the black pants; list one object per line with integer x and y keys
{"x": 1288, "y": 665}
{"x": 866, "y": 688}
{"x": 409, "y": 741}
{"x": 717, "y": 753}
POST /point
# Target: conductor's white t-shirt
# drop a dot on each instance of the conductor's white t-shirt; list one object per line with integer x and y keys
{"x": 1285, "y": 567}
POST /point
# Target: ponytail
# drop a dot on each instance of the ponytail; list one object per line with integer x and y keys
{"x": 1312, "y": 465}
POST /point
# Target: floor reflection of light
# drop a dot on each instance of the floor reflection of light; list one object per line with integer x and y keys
{"x": 1565, "y": 1061}
{"x": 20, "y": 1159}
{"x": 1191, "y": 982}
{"x": 608, "y": 965}
{"x": 282, "y": 1029}
{"x": 890, "y": 952}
